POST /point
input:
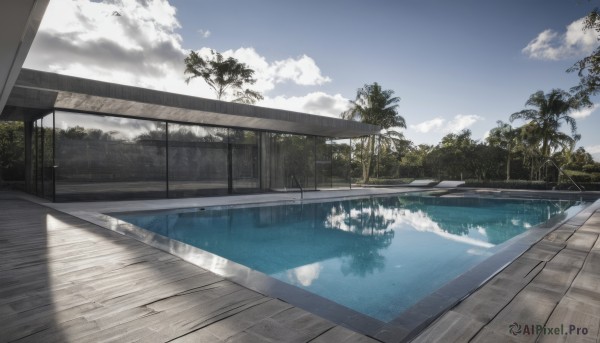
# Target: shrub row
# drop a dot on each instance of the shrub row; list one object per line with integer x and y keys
{"x": 587, "y": 186}
{"x": 512, "y": 184}
{"x": 536, "y": 185}
{"x": 593, "y": 177}
{"x": 375, "y": 181}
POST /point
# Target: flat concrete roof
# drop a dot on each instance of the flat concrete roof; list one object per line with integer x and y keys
{"x": 37, "y": 92}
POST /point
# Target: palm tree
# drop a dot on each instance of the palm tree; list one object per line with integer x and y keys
{"x": 505, "y": 137}
{"x": 552, "y": 110}
{"x": 224, "y": 76}
{"x": 375, "y": 106}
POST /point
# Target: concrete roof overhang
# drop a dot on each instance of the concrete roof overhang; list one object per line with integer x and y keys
{"x": 36, "y": 92}
{"x": 19, "y": 22}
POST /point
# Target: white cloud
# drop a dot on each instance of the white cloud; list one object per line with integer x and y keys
{"x": 141, "y": 48}
{"x": 458, "y": 123}
{"x": 429, "y": 125}
{"x": 551, "y": 45}
{"x": 204, "y": 33}
{"x": 302, "y": 71}
{"x": 584, "y": 112}
{"x": 318, "y": 103}
{"x": 594, "y": 150}
{"x": 461, "y": 122}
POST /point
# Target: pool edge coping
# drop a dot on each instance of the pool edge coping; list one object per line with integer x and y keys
{"x": 401, "y": 329}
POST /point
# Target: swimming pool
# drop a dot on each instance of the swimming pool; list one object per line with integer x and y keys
{"x": 377, "y": 255}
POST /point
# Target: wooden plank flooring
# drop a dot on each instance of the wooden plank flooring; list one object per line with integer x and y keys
{"x": 556, "y": 282}
{"x": 65, "y": 280}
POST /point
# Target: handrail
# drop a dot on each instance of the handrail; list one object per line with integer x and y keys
{"x": 565, "y": 174}
{"x": 299, "y": 186}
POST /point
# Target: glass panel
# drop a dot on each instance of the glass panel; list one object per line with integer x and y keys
{"x": 39, "y": 158}
{"x": 47, "y": 172}
{"x": 103, "y": 157}
{"x": 340, "y": 163}
{"x": 197, "y": 160}
{"x": 292, "y": 156}
{"x": 244, "y": 160}
{"x": 323, "y": 162}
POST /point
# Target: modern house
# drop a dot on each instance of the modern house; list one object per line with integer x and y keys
{"x": 92, "y": 140}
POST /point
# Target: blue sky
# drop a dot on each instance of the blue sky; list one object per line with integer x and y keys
{"x": 455, "y": 64}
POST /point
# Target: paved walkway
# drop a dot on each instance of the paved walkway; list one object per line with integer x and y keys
{"x": 65, "y": 280}
{"x": 555, "y": 284}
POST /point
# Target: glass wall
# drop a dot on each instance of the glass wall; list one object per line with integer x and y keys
{"x": 38, "y": 157}
{"x": 340, "y": 162}
{"x": 323, "y": 164}
{"x": 42, "y": 157}
{"x": 198, "y": 159}
{"x": 47, "y": 149}
{"x": 245, "y": 161}
{"x": 103, "y": 157}
{"x": 292, "y": 157}
{"x": 77, "y": 156}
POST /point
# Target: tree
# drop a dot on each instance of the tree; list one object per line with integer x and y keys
{"x": 588, "y": 69}
{"x": 452, "y": 156}
{"x": 552, "y": 110}
{"x": 375, "y": 106}
{"x": 505, "y": 137}
{"x": 227, "y": 77}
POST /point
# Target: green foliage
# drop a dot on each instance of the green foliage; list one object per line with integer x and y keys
{"x": 375, "y": 106}
{"x": 587, "y": 186}
{"x": 382, "y": 181}
{"x": 12, "y": 151}
{"x": 512, "y": 184}
{"x": 588, "y": 68}
{"x": 227, "y": 77}
{"x": 545, "y": 120}
{"x": 591, "y": 168}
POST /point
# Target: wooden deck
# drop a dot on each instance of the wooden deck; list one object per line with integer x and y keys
{"x": 65, "y": 280}
{"x": 556, "y": 282}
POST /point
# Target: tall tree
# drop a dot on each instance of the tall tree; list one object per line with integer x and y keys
{"x": 505, "y": 137}
{"x": 375, "y": 106}
{"x": 226, "y": 76}
{"x": 588, "y": 68}
{"x": 551, "y": 111}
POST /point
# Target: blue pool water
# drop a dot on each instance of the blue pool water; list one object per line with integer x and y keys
{"x": 376, "y": 255}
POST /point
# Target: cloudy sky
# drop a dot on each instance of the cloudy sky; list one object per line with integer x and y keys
{"x": 455, "y": 64}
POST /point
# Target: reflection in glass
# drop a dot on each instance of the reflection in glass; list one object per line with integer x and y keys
{"x": 340, "y": 163}
{"x": 197, "y": 160}
{"x": 323, "y": 162}
{"x": 38, "y": 157}
{"x": 244, "y": 160}
{"x": 292, "y": 156}
{"x": 47, "y": 163}
{"x": 103, "y": 157}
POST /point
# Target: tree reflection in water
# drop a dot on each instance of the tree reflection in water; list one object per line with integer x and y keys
{"x": 489, "y": 221}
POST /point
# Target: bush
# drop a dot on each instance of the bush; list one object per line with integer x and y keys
{"x": 591, "y": 168}
{"x": 375, "y": 181}
{"x": 512, "y": 184}
{"x": 587, "y": 186}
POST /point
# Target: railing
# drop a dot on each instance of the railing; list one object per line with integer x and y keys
{"x": 565, "y": 174}
{"x": 299, "y": 186}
